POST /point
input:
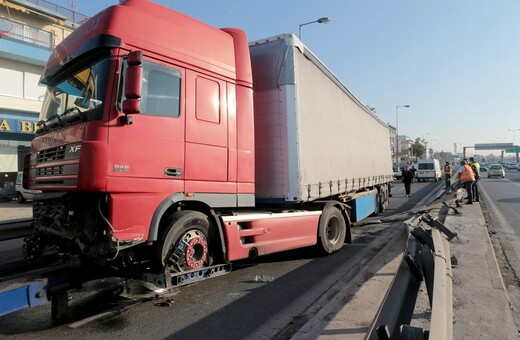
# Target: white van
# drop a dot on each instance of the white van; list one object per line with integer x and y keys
{"x": 428, "y": 169}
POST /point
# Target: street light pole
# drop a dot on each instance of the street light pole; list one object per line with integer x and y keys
{"x": 513, "y": 134}
{"x": 323, "y": 20}
{"x": 397, "y": 133}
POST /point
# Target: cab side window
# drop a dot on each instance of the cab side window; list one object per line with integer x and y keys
{"x": 160, "y": 91}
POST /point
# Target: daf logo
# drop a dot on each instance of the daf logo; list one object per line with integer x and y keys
{"x": 121, "y": 168}
{"x": 75, "y": 148}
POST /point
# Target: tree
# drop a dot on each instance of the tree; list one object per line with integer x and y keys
{"x": 419, "y": 148}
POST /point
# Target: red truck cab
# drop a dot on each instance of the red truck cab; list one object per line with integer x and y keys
{"x": 137, "y": 121}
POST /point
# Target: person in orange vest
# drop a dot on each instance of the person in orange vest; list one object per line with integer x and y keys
{"x": 467, "y": 178}
{"x": 447, "y": 173}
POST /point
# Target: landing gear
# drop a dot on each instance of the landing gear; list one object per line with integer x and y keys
{"x": 186, "y": 243}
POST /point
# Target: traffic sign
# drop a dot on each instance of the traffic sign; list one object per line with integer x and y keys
{"x": 514, "y": 149}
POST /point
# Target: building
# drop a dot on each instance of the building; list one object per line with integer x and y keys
{"x": 29, "y": 30}
{"x": 404, "y": 151}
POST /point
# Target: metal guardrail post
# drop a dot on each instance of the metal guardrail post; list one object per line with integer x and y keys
{"x": 442, "y": 315}
{"x": 449, "y": 288}
{"x": 398, "y": 305}
{"x": 427, "y": 257}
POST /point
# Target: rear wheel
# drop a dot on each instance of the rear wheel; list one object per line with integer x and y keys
{"x": 384, "y": 198}
{"x": 377, "y": 204}
{"x": 186, "y": 243}
{"x": 381, "y": 200}
{"x": 331, "y": 230}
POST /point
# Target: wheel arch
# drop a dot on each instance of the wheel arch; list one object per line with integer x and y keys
{"x": 179, "y": 202}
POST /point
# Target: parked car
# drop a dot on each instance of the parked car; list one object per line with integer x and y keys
{"x": 23, "y": 194}
{"x": 496, "y": 170}
{"x": 6, "y": 191}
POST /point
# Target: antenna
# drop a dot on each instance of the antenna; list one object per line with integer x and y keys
{"x": 73, "y": 5}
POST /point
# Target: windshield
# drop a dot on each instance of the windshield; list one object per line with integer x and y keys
{"x": 76, "y": 98}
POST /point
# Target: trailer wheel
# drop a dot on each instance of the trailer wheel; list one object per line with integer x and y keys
{"x": 381, "y": 199}
{"x": 331, "y": 230}
{"x": 185, "y": 244}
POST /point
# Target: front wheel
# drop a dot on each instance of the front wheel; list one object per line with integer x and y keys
{"x": 186, "y": 242}
{"x": 331, "y": 230}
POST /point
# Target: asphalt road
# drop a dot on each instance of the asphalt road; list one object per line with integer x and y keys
{"x": 232, "y": 306}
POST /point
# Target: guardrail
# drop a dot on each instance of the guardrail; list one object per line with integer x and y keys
{"x": 426, "y": 257}
{"x": 10, "y": 230}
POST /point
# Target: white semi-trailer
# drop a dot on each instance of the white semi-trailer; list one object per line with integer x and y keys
{"x": 314, "y": 139}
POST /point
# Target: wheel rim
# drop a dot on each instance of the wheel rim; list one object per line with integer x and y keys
{"x": 191, "y": 252}
{"x": 333, "y": 229}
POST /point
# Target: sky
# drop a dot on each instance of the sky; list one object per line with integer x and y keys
{"x": 456, "y": 63}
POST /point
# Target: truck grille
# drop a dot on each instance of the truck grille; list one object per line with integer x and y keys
{"x": 51, "y": 155}
{"x": 50, "y": 171}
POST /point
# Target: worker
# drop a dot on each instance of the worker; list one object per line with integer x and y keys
{"x": 476, "y": 170}
{"x": 467, "y": 178}
{"x": 448, "y": 171}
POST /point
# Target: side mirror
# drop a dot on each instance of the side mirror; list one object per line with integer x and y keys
{"x": 133, "y": 77}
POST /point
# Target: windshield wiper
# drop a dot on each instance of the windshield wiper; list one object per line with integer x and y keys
{"x": 58, "y": 118}
{"x": 72, "y": 109}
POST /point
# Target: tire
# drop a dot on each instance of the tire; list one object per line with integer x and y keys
{"x": 186, "y": 242}
{"x": 381, "y": 200}
{"x": 377, "y": 204}
{"x": 331, "y": 230}
{"x": 19, "y": 197}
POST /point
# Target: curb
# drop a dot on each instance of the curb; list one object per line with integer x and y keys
{"x": 481, "y": 304}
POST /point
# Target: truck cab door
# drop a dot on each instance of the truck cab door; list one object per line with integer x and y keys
{"x": 150, "y": 149}
{"x": 210, "y": 140}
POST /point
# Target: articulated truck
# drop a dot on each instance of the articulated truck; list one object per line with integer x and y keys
{"x": 165, "y": 141}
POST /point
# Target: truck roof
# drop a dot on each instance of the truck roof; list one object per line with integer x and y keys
{"x": 155, "y": 29}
